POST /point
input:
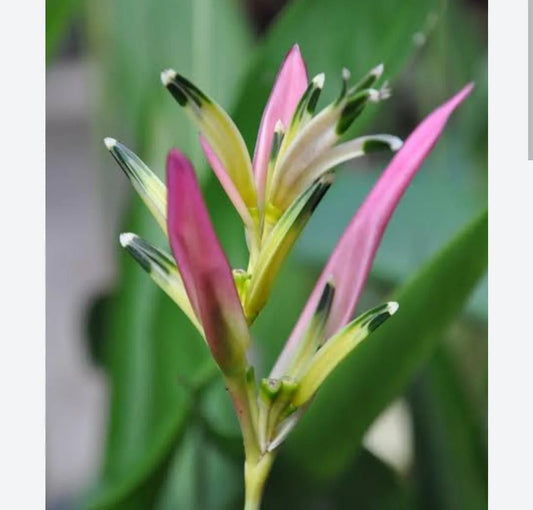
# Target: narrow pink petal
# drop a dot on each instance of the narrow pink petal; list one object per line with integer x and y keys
{"x": 289, "y": 87}
{"x": 205, "y": 271}
{"x": 352, "y": 258}
{"x": 226, "y": 182}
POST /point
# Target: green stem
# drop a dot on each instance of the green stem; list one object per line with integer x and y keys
{"x": 255, "y": 475}
{"x": 257, "y": 464}
{"x": 246, "y": 408}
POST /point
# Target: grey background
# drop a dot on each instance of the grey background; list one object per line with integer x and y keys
{"x": 80, "y": 248}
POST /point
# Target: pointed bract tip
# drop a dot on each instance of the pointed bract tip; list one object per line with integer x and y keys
{"x": 175, "y": 155}
{"x": 126, "y": 238}
{"x": 375, "y": 95}
{"x": 327, "y": 179}
{"x": 447, "y": 108}
{"x": 346, "y": 74}
{"x": 279, "y": 127}
{"x": 392, "y": 307}
{"x": 295, "y": 48}
{"x": 460, "y": 96}
{"x": 178, "y": 163}
{"x": 395, "y": 143}
{"x": 110, "y": 142}
{"x": 378, "y": 70}
{"x": 319, "y": 80}
{"x": 385, "y": 90}
{"x": 167, "y": 76}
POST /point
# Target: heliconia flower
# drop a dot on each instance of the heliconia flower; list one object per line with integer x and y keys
{"x": 275, "y": 195}
{"x": 294, "y": 158}
{"x": 322, "y": 336}
{"x": 205, "y": 271}
{"x": 292, "y": 168}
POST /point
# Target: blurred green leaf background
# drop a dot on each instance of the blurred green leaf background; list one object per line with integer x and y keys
{"x": 172, "y": 440}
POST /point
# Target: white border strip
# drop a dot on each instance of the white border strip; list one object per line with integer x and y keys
{"x": 510, "y": 259}
{"x": 22, "y": 224}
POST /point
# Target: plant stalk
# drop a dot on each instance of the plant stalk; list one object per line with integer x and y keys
{"x": 257, "y": 464}
{"x": 255, "y": 476}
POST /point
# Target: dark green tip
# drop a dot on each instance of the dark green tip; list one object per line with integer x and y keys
{"x": 351, "y": 111}
{"x": 184, "y": 91}
{"x": 309, "y": 99}
{"x": 373, "y": 145}
{"x": 368, "y": 79}
{"x": 377, "y": 321}
{"x": 121, "y": 155}
{"x": 365, "y": 82}
{"x": 148, "y": 256}
{"x": 192, "y": 90}
{"x": 140, "y": 257}
{"x": 276, "y": 144}
{"x": 326, "y": 300}
{"x": 321, "y": 186}
{"x": 177, "y": 94}
{"x": 313, "y": 100}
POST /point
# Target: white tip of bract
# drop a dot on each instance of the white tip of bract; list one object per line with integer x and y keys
{"x": 167, "y": 76}
{"x": 279, "y": 127}
{"x": 126, "y": 239}
{"x": 378, "y": 70}
{"x": 392, "y": 307}
{"x": 110, "y": 142}
{"x": 395, "y": 143}
{"x": 319, "y": 80}
{"x": 379, "y": 95}
{"x": 373, "y": 95}
{"x": 346, "y": 74}
{"x": 385, "y": 91}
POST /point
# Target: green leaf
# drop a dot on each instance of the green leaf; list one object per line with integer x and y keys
{"x": 373, "y": 485}
{"x": 141, "y": 486}
{"x": 367, "y": 484}
{"x": 200, "y": 478}
{"x": 450, "y": 443}
{"x": 380, "y": 369}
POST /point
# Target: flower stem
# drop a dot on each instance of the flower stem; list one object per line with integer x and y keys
{"x": 257, "y": 463}
{"x": 255, "y": 475}
{"x": 246, "y": 409}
